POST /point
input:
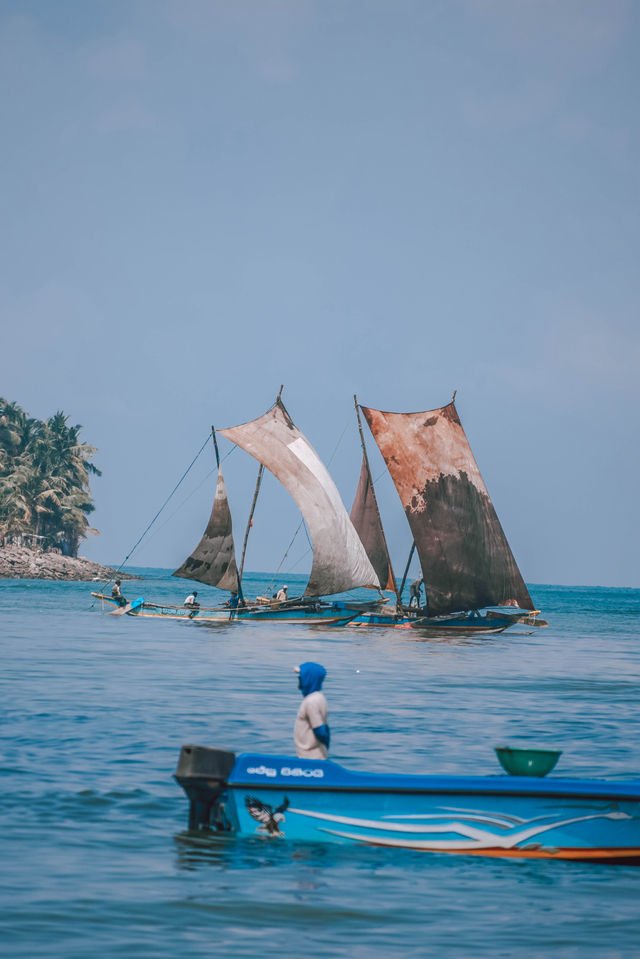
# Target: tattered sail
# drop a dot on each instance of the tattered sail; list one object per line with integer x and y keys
{"x": 365, "y": 516}
{"x": 213, "y": 561}
{"x": 465, "y": 557}
{"x": 340, "y": 562}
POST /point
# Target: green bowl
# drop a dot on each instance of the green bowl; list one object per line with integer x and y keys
{"x": 527, "y": 762}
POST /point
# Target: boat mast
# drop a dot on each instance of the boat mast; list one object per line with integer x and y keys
{"x": 373, "y": 493}
{"x": 251, "y": 511}
{"x": 215, "y": 446}
{"x": 406, "y": 569}
{"x": 249, "y": 521}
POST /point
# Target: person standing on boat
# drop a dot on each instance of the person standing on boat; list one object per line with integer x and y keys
{"x": 281, "y": 595}
{"x": 117, "y": 595}
{"x": 414, "y": 593}
{"x": 311, "y": 733}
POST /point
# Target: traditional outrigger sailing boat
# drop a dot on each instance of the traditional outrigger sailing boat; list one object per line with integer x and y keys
{"x": 340, "y": 562}
{"x": 467, "y": 564}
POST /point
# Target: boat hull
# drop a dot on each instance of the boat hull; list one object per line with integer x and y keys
{"x": 302, "y": 615}
{"x": 282, "y": 797}
{"x": 466, "y": 623}
{"x": 440, "y": 625}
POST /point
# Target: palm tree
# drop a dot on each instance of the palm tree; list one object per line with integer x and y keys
{"x": 16, "y": 431}
{"x": 44, "y": 479}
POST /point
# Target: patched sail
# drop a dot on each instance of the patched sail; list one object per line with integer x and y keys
{"x": 365, "y": 516}
{"x": 340, "y": 562}
{"x": 213, "y": 561}
{"x": 465, "y": 557}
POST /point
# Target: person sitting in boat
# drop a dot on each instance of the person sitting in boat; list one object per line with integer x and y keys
{"x": 192, "y": 603}
{"x": 281, "y": 595}
{"x": 414, "y": 593}
{"x": 117, "y": 595}
{"x": 311, "y": 733}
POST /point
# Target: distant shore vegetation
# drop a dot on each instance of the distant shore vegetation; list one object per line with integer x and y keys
{"x": 45, "y": 499}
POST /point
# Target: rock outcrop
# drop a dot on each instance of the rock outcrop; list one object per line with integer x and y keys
{"x": 18, "y": 562}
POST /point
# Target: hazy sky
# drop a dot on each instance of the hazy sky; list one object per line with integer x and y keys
{"x": 202, "y": 200}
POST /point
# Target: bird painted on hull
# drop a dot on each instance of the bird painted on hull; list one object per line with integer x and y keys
{"x": 269, "y": 818}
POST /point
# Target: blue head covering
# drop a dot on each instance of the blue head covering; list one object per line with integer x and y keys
{"x": 311, "y": 677}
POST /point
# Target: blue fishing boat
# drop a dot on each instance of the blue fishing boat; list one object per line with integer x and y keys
{"x": 305, "y": 800}
{"x": 309, "y": 614}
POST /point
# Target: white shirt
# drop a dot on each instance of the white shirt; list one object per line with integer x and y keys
{"x": 313, "y": 712}
{"x": 281, "y": 595}
{"x": 190, "y": 600}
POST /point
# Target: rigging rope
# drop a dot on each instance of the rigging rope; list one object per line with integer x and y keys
{"x": 193, "y": 492}
{"x": 275, "y": 575}
{"x": 134, "y": 548}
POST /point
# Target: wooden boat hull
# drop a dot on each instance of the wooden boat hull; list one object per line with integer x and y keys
{"x": 435, "y": 627}
{"x": 490, "y": 621}
{"x": 296, "y": 616}
{"x": 283, "y": 797}
{"x": 301, "y": 615}
{"x": 467, "y": 623}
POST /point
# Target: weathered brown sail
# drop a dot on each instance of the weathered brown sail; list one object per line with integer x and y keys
{"x": 465, "y": 557}
{"x": 340, "y": 562}
{"x": 213, "y": 561}
{"x": 365, "y": 516}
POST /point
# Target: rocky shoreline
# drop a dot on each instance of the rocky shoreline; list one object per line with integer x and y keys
{"x": 18, "y": 562}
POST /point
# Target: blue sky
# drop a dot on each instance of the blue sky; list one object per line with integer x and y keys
{"x": 203, "y": 200}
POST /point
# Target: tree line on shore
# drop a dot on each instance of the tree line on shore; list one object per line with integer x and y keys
{"x": 45, "y": 499}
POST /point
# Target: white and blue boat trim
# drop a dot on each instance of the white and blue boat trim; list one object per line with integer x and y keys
{"x": 283, "y": 797}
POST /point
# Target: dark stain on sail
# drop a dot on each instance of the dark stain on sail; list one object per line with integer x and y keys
{"x": 450, "y": 413}
{"x": 466, "y": 560}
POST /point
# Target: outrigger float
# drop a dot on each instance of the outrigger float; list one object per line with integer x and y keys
{"x": 304, "y": 800}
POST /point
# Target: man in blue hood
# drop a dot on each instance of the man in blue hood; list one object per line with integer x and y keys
{"x": 311, "y": 732}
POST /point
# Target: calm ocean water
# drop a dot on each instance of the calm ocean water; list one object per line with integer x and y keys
{"x": 96, "y": 859}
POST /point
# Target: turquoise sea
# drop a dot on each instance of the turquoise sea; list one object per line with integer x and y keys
{"x": 96, "y": 858}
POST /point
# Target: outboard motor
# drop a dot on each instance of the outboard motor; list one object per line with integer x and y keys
{"x": 203, "y": 774}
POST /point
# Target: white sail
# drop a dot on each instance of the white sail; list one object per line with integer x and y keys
{"x": 340, "y": 562}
